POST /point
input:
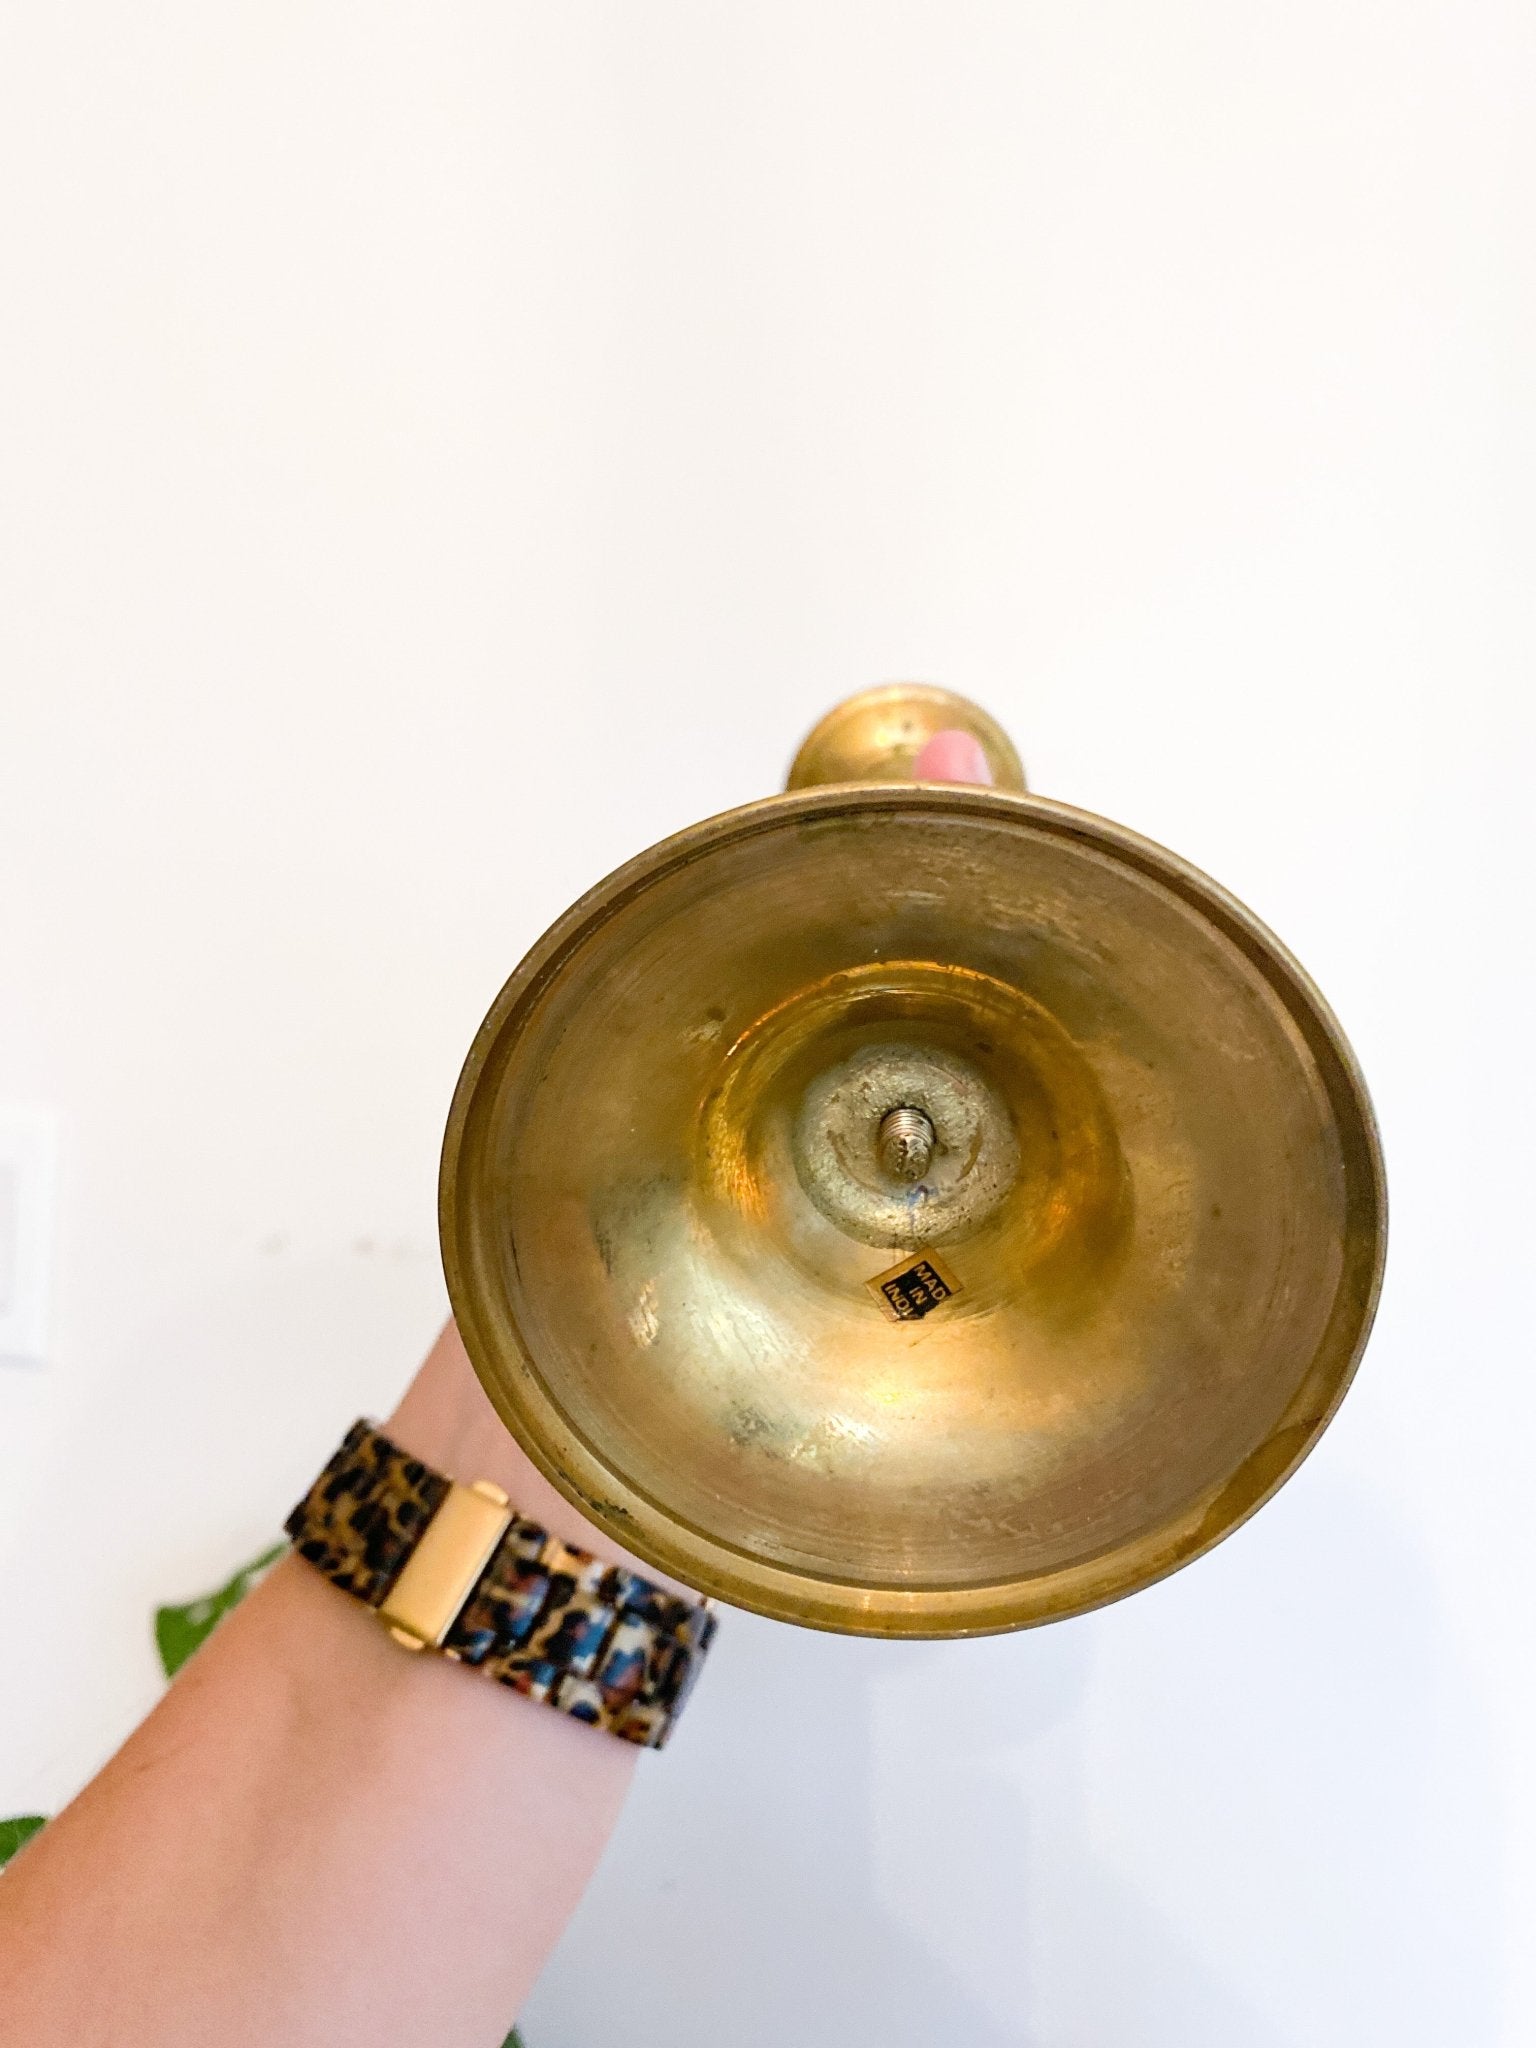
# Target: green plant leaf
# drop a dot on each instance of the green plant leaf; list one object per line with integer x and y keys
{"x": 13, "y": 1833}
{"x": 180, "y": 1630}
{"x": 513, "y": 2040}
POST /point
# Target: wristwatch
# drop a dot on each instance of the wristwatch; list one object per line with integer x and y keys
{"x": 456, "y": 1569}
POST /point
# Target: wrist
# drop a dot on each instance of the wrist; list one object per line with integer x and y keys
{"x": 446, "y": 1419}
{"x": 441, "y": 1526}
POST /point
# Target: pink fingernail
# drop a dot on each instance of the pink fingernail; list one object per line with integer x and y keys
{"x": 952, "y": 756}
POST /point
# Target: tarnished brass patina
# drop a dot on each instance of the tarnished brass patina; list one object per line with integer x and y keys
{"x": 1031, "y": 1344}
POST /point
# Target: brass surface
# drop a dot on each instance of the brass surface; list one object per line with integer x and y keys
{"x": 442, "y": 1571}
{"x": 843, "y": 1112}
{"x": 1155, "y": 1178}
{"x": 878, "y": 735}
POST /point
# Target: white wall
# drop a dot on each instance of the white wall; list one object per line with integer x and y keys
{"x": 443, "y": 449}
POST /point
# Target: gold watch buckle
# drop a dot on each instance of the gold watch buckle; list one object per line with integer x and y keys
{"x": 444, "y": 1568}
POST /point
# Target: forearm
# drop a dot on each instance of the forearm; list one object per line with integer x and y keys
{"x": 315, "y": 1836}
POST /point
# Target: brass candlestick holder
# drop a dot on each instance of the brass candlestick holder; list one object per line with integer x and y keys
{"x": 912, "y": 1208}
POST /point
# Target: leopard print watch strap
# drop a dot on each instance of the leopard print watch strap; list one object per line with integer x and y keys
{"x": 595, "y": 1640}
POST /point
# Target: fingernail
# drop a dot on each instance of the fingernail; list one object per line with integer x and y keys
{"x": 952, "y": 756}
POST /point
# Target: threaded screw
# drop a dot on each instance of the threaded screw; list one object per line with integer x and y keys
{"x": 905, "y": 1142}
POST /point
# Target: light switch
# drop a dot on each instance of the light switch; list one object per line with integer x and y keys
{"x": 28, "y": 1150}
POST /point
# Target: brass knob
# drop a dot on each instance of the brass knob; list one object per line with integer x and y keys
{"x": 878, "y": 735}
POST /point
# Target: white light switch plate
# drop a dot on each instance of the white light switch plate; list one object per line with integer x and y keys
{"x": 28, "y": 1151}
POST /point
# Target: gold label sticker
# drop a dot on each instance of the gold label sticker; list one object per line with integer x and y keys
{"x": 915, "y": 1288}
